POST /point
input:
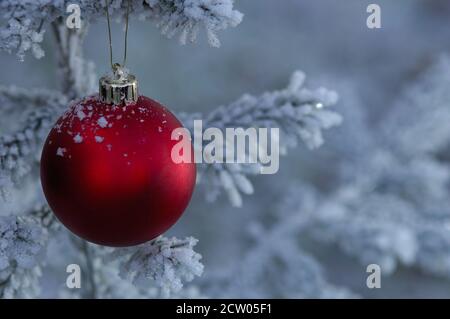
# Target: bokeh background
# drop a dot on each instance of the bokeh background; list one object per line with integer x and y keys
{"x": 329, "y": 41}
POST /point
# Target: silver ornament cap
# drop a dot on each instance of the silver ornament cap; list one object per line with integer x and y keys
{"x": 119, "y": 87}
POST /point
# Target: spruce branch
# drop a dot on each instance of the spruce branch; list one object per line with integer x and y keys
{"x": 276, "y": 264}
{"x": 44, "y": 215}
{"x": 19, "y": 151}
{"x": 392, "y": 208}
{"x": 77, "y": 75}
{"x": 396, "y": 215}
{"x": 421, "y": 113}
{"x": 165, "y": 262}
{"x": 25, "y": 22}
{"x": 299, "y": 112}
{"x": 22, "y": 243}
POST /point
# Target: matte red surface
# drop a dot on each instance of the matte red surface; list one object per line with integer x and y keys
{"x": 119, "y": 185}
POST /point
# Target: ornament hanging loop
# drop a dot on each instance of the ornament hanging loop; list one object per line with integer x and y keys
{"x": 120, "y": 87}
{"x": 110, "y": 38}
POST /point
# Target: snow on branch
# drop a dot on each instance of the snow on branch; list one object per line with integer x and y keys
{"x": 18, "y": 151}
{"x": 104, "y": 281}
{"x": 299, "y": 112}
{"x": 419, "y": 120}
{"x": 395, "y": 209}
{"x": 371, "y": 229}
{"x": 108, "y": 284}
{"x": 44, "y": 215}
{"x": 293, "y": 273}
{"x": 185, "y": 17}
{"x": 276, "y": 264}
{"x": 166, "y": 261}
{"x": 13, "y": 98}
{"x": 396, "y": 213}
{"x": 22, "y": 243}
{"x": 25, "y": 21}
{"x": 77, "y": 75}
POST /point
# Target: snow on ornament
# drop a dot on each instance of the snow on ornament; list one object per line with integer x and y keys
{"x": 95, "y": 190}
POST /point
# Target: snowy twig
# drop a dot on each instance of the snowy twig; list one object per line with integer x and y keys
{"x": 18, "y": 151}
{"x": 22, "y": 242}
{"x": 300, "y": 114}
{"x": 393, "y": 208}
{"x": 45, "y": 216}
{"x": 418, "y": 122}
{"x": 77, "y": 75}
{"x": 166, "y": 261}
{"x": 396, "y": 214}
{"x": 185, "y": 17}
{"x": 277, "y": 254}
{"x": 25, "y": 21}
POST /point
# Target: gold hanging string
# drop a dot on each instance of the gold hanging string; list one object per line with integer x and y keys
{"x": 114, "y": 65}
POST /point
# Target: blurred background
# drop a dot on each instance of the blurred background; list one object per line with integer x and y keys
{"x": 371, "y": 69}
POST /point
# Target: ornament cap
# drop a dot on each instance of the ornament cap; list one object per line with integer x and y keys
{"x": 118, "y": 87}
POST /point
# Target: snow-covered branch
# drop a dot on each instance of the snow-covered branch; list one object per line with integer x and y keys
{"x": 104, "y": 281}
{"x": 386, "y": 227}
{"x": 77, "y": 75}
{"x": 418, "y": 122}
{"x": 299, "y": 112}
{"x": 393, "y": 207}
{"x": 276, "y": 264}
{"x": 26, "y": 21}
{"x": 186, "y": 17}
{"x": 168, "y": 262}
{"x": 22, "y": 243}
{"x": 18, "y": 151}
{"x": 44, "y": 215}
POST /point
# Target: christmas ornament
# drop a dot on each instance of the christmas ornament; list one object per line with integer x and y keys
{"x": 107, "y": 171}
{"x": 106, "y": 166}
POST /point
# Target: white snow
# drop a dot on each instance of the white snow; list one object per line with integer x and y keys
{"x": 102, "y": 122}
{"x": 99, "y": 139}
{"x": 78, "y": 138}
{"x": 168, "y": 261}
{"x": 79, "y": 111}
{"x": 60, "y": 151}
{"x": 20, "y": 33}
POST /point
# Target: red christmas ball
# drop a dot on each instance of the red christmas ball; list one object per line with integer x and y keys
{"x": 107, "y": 172}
